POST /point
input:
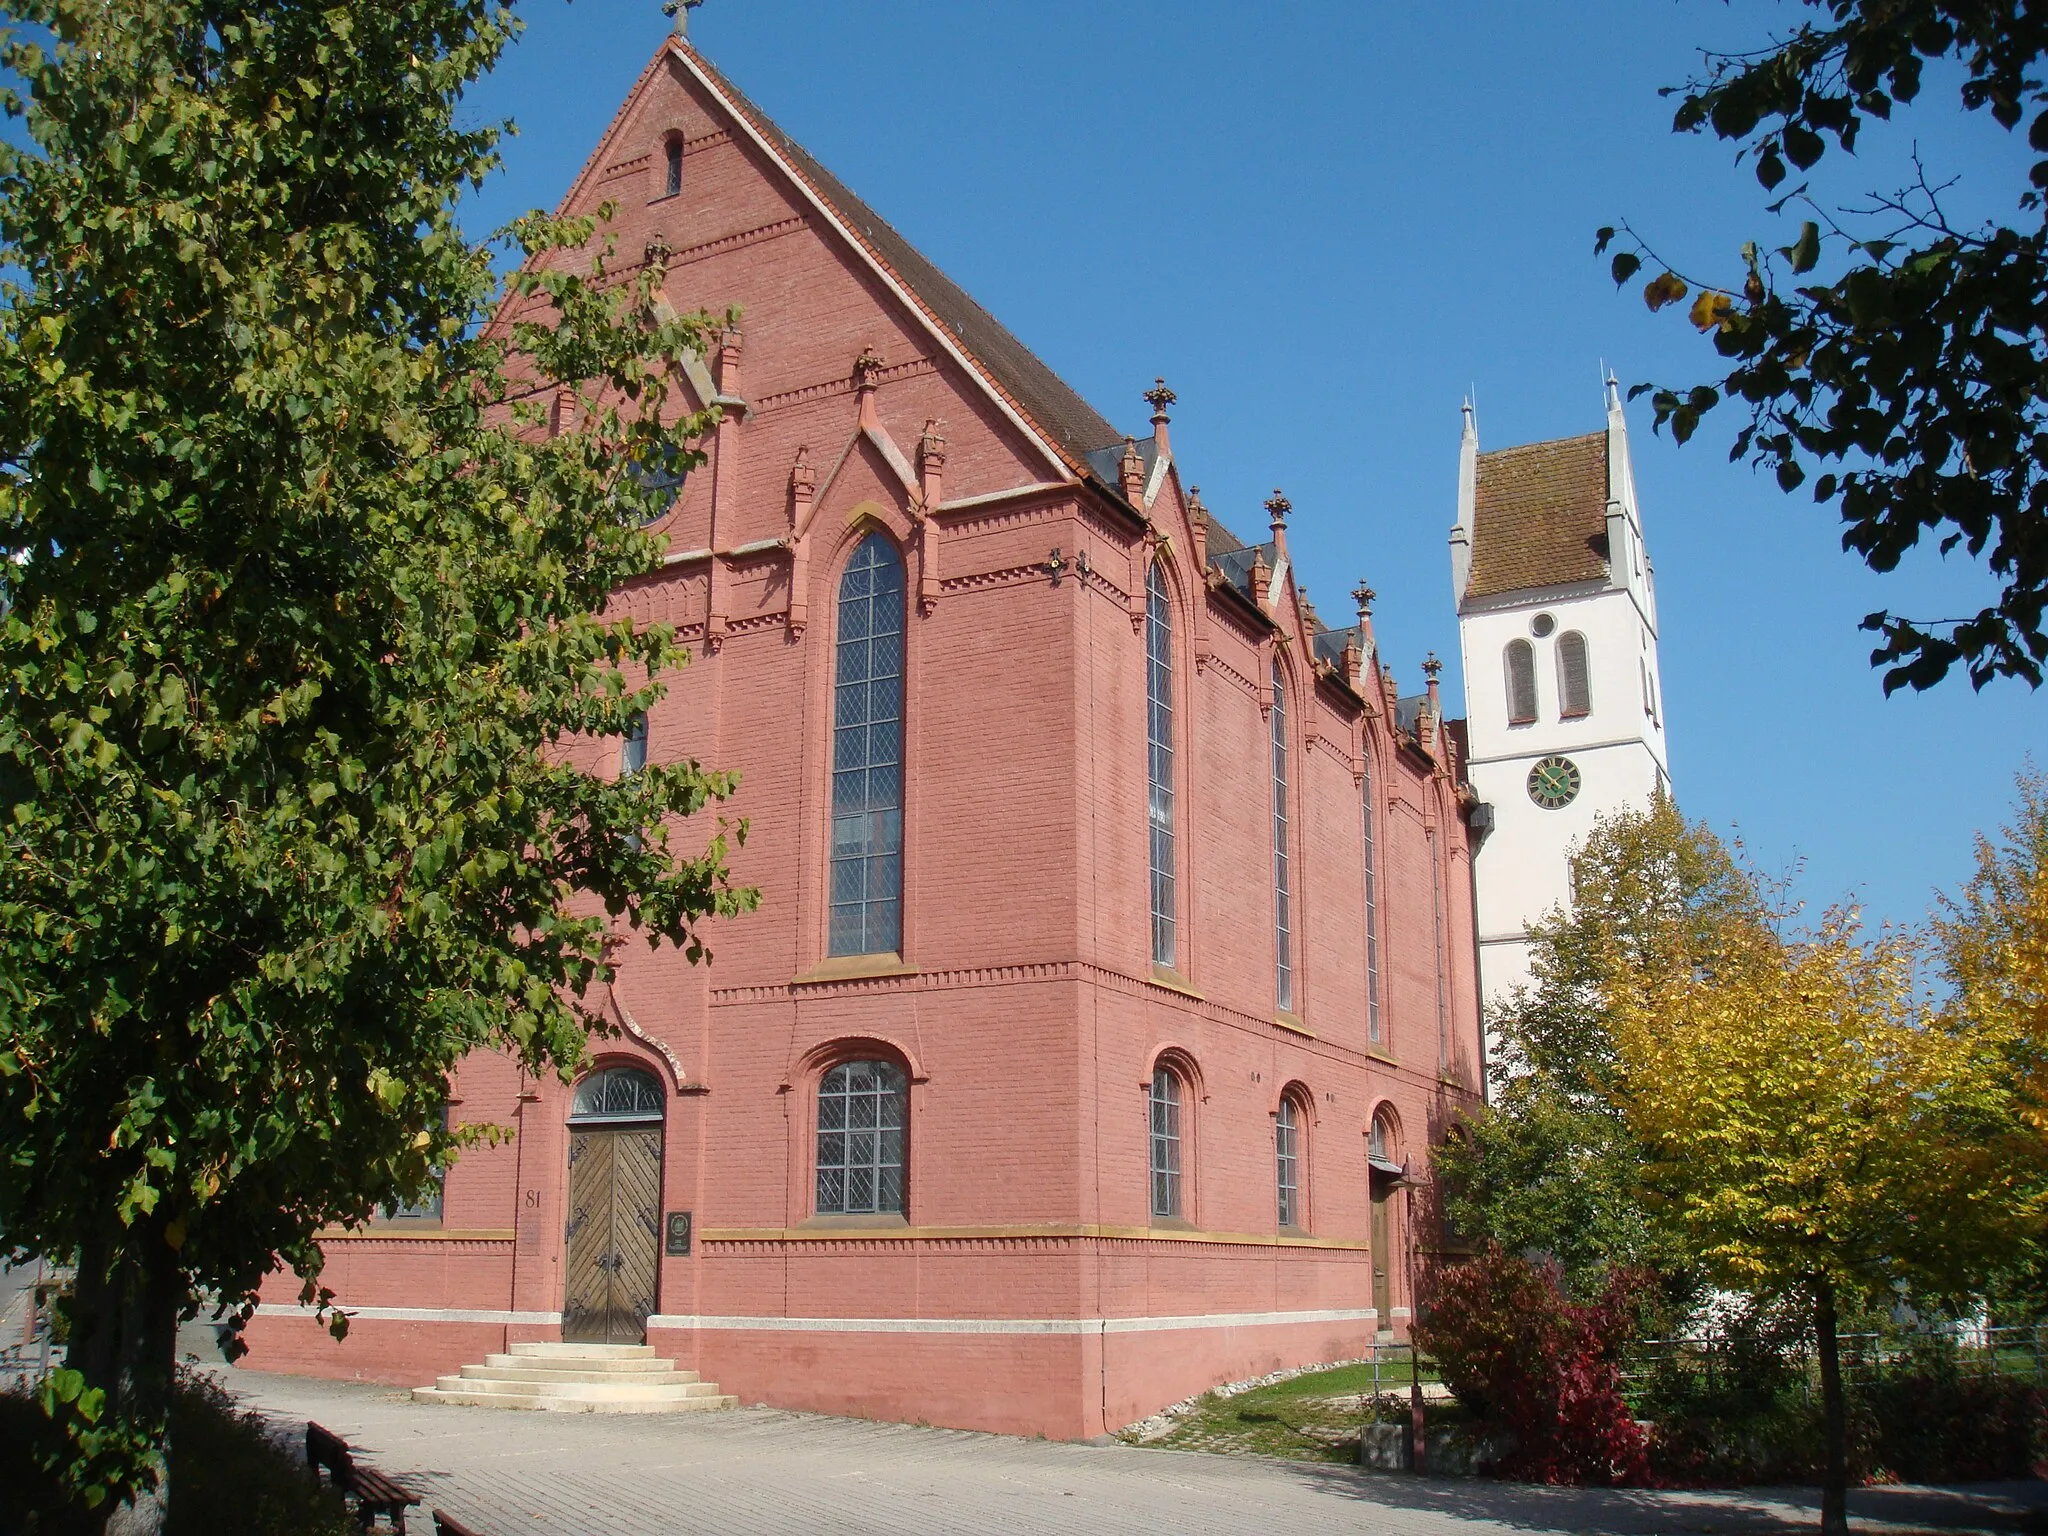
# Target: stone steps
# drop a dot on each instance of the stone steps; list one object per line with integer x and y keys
{"x": 578, "y": 1378}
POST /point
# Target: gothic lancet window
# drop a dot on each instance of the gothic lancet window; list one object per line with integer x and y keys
{"x": 1521, "y": 665}
{"x": 862, "y": 1111}
{"x": 1283, "y": 914}
{"x": 1372, "y": 912}
{"x": 673, "y": 181}
{"x": 1574, "y": 681}
{"x": 1159, "y": 763}
{"x": 867, "y": 755}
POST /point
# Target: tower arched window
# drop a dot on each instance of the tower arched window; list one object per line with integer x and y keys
{"x": 672, "y": 177}
{"x": 863, "y": 1109}
{"x": 1574, "y": 676}
{"x": 1166, "y": 1133}
{"x": 866, "y": 896}
{"x": 1159, "y": 764}
{"x": 1288, "y": 1124}
{"x": 1372, "y": 910}
{"x": 1521, "y": 670}
{"x": 1283, "y": 913}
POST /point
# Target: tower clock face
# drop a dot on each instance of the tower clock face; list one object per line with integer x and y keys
{"x": 1554, "y": 783}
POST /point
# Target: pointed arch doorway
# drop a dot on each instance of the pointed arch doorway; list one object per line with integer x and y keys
{"x": 614, "y": 1231}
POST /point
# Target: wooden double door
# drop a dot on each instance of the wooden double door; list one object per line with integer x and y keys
{"x": 614, "y": 1233}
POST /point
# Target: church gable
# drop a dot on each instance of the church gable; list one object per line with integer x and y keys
{"x": 740, "y": 214}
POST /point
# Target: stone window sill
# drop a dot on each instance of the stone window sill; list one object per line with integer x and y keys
{"x": 854, "y": 968}
{"x": 858, "y": 1223}
{"x": 1166, "y": 976}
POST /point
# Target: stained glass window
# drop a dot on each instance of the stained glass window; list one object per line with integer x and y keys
{"x": 867, "y": 755}
{"x": 1165, "y": 1142}
{"x": 1159, "y": 762}
{"x": 862, "y": 1110}
{"x": 1283, "y": 906}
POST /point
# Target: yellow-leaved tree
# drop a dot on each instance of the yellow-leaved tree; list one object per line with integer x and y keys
{"x": 1994, "y": 941}
{"x": 1817, "y": 1129}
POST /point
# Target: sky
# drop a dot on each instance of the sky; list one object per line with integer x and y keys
{"x": 1325, "y": 223}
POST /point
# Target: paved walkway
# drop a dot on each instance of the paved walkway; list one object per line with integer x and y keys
{"x": 764, "y": 1471}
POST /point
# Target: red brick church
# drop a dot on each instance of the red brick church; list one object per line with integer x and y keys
{"x": 1115, "y": 969}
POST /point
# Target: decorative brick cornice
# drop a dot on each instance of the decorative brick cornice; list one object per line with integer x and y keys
{"x": 889, "y": 374}
{"x": 918, "y": 981}
{"x": 1008, "y": 576}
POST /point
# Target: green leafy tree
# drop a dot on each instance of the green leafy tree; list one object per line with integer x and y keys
{"x": 1992, "y": 938}
{"x": 1817, "y": 1132}
{"x": 307, "y": 602}
{"x": 1896, "y": 356}
{"x": 1554, "y": 1165}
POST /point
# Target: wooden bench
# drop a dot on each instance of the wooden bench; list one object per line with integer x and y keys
{"x": 446, "y": 1524}
{"x": 374, "y": 1493}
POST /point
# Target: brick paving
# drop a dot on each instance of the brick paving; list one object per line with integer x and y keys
{"x": 764, "y": 1471}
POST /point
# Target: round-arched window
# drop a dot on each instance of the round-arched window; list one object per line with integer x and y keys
{"x": 614, "y": 1095}
{"x": 863, "y": 1110}
{"x": 1383, "y": 1147}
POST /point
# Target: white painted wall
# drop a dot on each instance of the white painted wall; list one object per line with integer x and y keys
{"x": 1522, "y": 871}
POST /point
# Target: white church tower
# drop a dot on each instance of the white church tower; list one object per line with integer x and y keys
{"x": 1557, "y": 621}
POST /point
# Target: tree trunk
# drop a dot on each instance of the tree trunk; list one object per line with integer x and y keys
{"x": 124, "y": 1314}
{"x": 1834, "y": 1490}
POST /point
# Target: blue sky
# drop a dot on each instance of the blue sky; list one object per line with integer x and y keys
{"x": 1323, "y": 223}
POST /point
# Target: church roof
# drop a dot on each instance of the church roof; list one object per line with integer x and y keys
{"x": 1540, "y": 516}
{"x": 1070, "y": 423}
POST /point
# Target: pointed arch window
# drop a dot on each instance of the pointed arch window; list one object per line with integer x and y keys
{"x": 1574, "y": 676}
{"x": 1159, "y": 764}
{"x": 1521, "y": 669}
{"x": 1372, "y": 911}
{"x": 867, "y": 754}
{"x": 1283, "y": 905}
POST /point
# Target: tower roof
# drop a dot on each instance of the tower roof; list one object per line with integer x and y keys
{"x": 1540, "y": 516}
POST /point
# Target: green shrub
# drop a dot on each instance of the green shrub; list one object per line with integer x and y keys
{"x": 1931, "y": 1423}
{"x": 229, "y": 1477}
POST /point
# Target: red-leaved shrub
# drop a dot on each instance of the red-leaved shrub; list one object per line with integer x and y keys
{"x": 1525, "y": 1358}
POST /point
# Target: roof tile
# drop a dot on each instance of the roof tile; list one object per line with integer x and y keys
{"x": 1540, "y": 516}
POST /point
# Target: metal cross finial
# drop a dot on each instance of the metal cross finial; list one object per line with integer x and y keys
{"x": 680, "y": 9}
{"x": 1363, "y": 595}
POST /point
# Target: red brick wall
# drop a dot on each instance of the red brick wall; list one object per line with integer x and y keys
{"x": 1030, "y": 1017}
